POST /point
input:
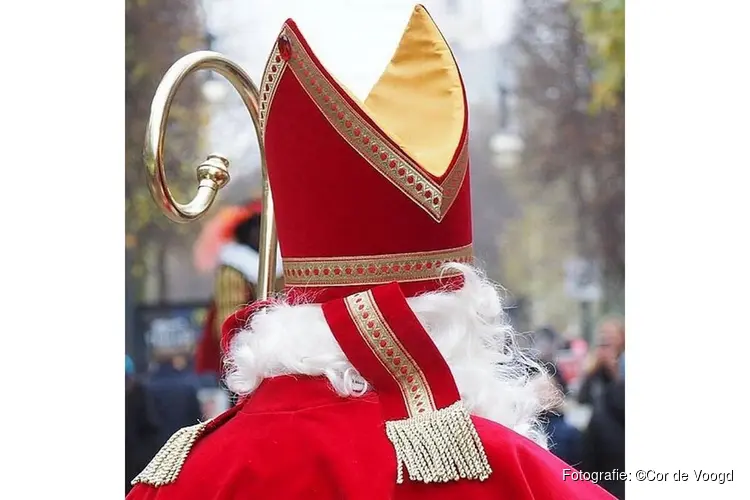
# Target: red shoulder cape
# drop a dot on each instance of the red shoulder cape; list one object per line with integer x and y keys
{"x": 294, "y": 438}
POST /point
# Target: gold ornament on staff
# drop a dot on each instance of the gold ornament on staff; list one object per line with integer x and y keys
{"x": 213, "y": 173}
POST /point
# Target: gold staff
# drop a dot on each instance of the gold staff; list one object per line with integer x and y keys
{"x": 213, "y": 174}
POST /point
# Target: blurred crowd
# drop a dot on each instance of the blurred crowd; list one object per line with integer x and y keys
{"x": 585, "y": 387}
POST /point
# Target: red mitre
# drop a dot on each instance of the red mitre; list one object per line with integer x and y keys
{"x": 370, "y": 192}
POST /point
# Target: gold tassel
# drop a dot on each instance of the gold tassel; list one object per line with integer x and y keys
{"x": 166, "y": 465}
{"x": 439, "y": 446}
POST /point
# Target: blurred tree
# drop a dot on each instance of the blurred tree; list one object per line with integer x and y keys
{"x": 603, "y": 24}
{"x": 158, "y": 32}
{"x": 565, "y": 142}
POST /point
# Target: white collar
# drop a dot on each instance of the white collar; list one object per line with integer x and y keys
{"x": 245, "y": 260}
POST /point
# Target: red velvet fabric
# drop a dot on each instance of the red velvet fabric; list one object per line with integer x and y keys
{"x": 330, "y": 202}
{"x": 421, "y": 352}
{"x": 294, "y": 438}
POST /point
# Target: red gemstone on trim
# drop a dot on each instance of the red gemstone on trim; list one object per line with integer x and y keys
{"x": 418, "y": 186}
{"x": 407, "y": 267}
{"x": 374, "y": 148}
{"x": 410, "y": 179}
{"x": 370, "y": 324}
{"x": 401, "y": 171}
{"x": 348, "y": 124}
{"x": 383, "y": 343}
{"x": 392, "y": 164}
{"x": 341, "y": 115}
{"x": 435, "y": 200}
{"x": 404, "y": 370}
{"x": 414, "y": 388}
{"x": 383, "y": 156}
{"x": 357, "y": 131}
{"x": 326, "y": 271}
{"x": 389, "y": 352}
{"x": 274, "y": 68}
{"x": 410, "y": 378}
{"x": 396, "y": 361}
{"x": 365, "y": 139}
{"x": 376, "y": 333}
{"x": 285, "y": 48}
{"x": 427, "y": 193}
{"x": 365, "y": 315}
{"x": 316, "y": 271}
{"x": 277, "y": 59}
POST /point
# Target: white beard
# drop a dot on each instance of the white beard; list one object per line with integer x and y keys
{"x": 468, "y": 326}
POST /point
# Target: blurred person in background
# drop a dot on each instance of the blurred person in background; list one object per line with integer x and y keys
{"x": 174, "y": 386}
{"x": 547, "y": 343}
{"x": 228, "y": 245}
{"x": 564, "y": 439}
{"x": 603, "y": 368}
{"x": 604, "y": 438}
{"x": 141, "y": 427}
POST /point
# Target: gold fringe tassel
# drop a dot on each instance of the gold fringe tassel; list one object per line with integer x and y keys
{"x": 167, "y": 463}
{"x": 439, "y": 446}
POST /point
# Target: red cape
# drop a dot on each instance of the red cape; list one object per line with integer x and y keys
{"x": 294, "y": 438}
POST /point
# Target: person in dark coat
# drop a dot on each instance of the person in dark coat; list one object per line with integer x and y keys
{"x": 174, "y": 387}
{"x": 604, "y": 439}
{"x": 141, "y": 426}
{"x": 546, "y": 343}
{"x": 564, "y": 439}
{"x": 604, "y": 369}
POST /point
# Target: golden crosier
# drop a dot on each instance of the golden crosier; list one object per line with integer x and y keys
{"x": 213, "y": 174}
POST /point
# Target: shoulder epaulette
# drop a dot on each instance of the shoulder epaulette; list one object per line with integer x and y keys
{"x": 167, "y": 463}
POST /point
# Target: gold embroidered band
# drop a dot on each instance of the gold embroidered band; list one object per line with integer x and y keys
{"x": 374, "y": 269}
{"x": 433, "y": 445}
{"x": 434, "y": 197}
{"x": 395, "y": 359}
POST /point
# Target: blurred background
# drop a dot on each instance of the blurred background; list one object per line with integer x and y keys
{"x": 545, "y": 82}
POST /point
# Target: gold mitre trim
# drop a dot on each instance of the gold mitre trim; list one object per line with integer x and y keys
{"x": 374, "y": 269}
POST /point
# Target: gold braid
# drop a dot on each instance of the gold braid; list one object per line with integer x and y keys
{"x": 232, "y": 292}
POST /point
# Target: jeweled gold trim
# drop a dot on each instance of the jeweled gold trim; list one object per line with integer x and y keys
{"x": 395, "y": 359}
{"x": 435, "y": 198}
{"x": 275, "y": 67}
{"x": 374, "y": 269}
